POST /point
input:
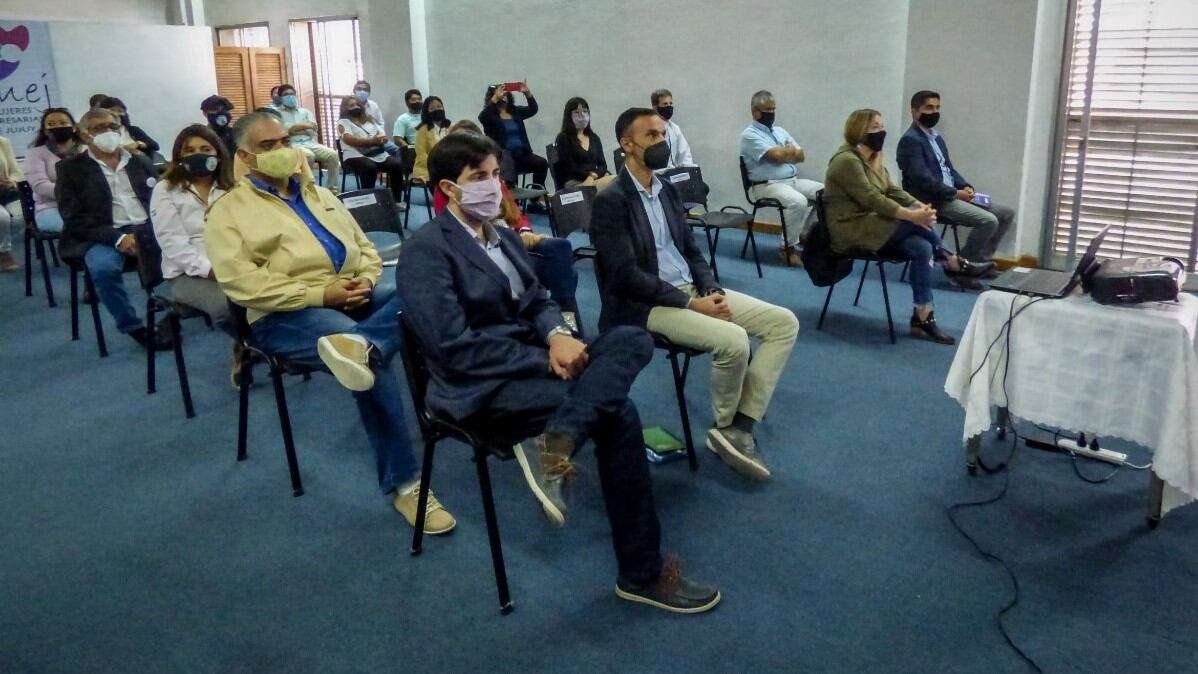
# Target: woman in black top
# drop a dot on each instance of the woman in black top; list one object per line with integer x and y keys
{"x": 580, "y": 159}
{"x": 503, "y": 122}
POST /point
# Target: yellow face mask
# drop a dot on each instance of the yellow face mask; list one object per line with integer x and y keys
{"x": 279, "y": 163}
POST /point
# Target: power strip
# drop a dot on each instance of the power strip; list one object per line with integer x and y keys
{"x": 1117, "y": 458}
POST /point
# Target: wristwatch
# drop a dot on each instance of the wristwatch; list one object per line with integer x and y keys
{"x": 559, "y": 330}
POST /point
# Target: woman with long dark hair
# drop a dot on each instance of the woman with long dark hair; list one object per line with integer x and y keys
{"x": 200, "y": 172}
{"x": 57, "y": 138}
{"x": 364, "y": 148}
{"x": 433, "y": 127}
{"x": 580, "y": 159}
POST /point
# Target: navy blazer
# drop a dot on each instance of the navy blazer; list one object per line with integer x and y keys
{"x": 629, "y": 285}
{"x": 922, "y": 178}
{"x": 475, "y": 336}
{"x": 85, "y": 201}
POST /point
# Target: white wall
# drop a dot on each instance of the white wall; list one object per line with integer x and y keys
{"x": 162, "y": 95}
{"x": 816, "y": 57}
{"x": 108, "y": 11}
{"x": 385, "y": 32}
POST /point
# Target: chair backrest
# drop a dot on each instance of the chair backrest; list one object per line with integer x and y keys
{"x": 617, "y": 159}
{"x": 415, "y": 369}
{"x": 552, "y": 157}
{"x": 27, "y": 205}
{"x": 373, "y": 209}
{"x": 688, "y": 182}
{"x": 744, "y": 178}
{"x": 570, "y": 210}
{"x": 149, "y": 257}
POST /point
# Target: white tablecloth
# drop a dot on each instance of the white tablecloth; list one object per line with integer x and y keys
{"x": 1126, "y": 372}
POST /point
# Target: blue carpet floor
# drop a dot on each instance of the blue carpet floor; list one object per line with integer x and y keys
{"x": 132, "y": 541}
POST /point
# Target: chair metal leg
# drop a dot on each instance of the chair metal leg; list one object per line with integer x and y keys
{"x": 41, "y": 256}
{"x": 744, "y": 247}
{"x": 484, "y": 486}
{"x": 906, "y": 267}
{"x": 74, "y": 305}
{"x": 885, "y": 299}
{"x": 861, "y": 284}
{"x": 181, "y": 366}
{"x": 824, "y": 312}
{"x": 243, "y": 402}
{"x": 428, "y": 202}
{"x": 1156, "y": 499}
{"x": 753, "y": 241}
{"x": 407, "y": 198}
{"x": 151, "y": 359}
{"x": 54, "y": 254}
{"x": 426, "y": 478}
{"x": 715, "y": 271}
{"x": 684, "y": 414}
{"x": 785, "y": 238}
{"x": 28, "y": 264}
{"x": 297, "y": 486}
{"x": 95, "y": 307}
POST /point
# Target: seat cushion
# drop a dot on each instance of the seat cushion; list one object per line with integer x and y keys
{"x": 722, "y": 220}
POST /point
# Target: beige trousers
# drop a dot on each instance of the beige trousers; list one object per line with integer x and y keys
{"x": 327, "y": 158}
{"x": 736, "y": 384}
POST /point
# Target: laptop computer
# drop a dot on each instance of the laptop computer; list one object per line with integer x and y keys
{"x": 1046, "y": 282}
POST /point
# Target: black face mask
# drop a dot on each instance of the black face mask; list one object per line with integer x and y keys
{"x": 767, "y": 118}
{"x": 875, "y": 140}
{"x": 218, "y": 119}
{"x": 666, "y": 112}
{"x": 657, "y": 155}
{"x": 200, "y": 165}
{"x": 437, "y": 116}
{"x": 415, "y": 107}
{"x": 929, "y": 119}
{"x": 60, "y": 134}
{"x": 356, "y": 112}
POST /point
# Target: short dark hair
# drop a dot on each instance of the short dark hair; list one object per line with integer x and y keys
{"x": 658, "y": 95}
{"x": 626, "y": 118}
{"x": 216, "y": 103}
{"x": 94, "y": 101}
{"x": 284, "y": 87}
{"x": 408, "y": 94}
{"x": 364, "y": 82}
{"x": 242, "y": 127}
{"x": 112, "y": 102}
{"x": 922, "y": 97}
{"x": 274, "y": 112}
{"x": 456, "y": 152}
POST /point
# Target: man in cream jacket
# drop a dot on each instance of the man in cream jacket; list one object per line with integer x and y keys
{"x": 290, "y": 253}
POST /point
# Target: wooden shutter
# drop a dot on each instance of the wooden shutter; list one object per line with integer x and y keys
{"x": 1128, "y": 146}
{"x": 233, "y": 78}
{"x": 268, "y": 69}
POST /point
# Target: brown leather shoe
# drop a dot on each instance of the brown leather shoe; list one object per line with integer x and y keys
{"x": 8, "y": 262}
{"x": 790, "y": 256}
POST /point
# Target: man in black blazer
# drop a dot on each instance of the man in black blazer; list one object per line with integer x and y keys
{"x": 104, "y": 196}
{"x": 501, "y": 359}
{"x": 929, "y": 175}
{"x": 653, "y": 276}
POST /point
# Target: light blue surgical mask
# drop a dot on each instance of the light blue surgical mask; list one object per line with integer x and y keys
{"x": 362, "y": 95}
{"x": 290, "y": 101}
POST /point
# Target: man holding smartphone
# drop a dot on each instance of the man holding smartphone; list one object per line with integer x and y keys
{"x": 929, "y": 175}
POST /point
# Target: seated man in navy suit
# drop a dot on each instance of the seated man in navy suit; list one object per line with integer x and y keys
{"x": 500, "y": 359}
{"x": 929, "y": 175}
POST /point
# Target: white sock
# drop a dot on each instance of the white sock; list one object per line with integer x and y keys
{"x": 409, "y": 487}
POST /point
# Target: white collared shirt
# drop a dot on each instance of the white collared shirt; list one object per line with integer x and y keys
{"x": 126, "y": 208}
{"x": 680, "y": 150}
{"x": 178, "y": 216}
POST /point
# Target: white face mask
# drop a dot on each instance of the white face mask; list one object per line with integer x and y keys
{"x": 107, "y": 142}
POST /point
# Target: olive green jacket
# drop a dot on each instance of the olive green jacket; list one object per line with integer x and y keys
{"x": 861, "y": 205}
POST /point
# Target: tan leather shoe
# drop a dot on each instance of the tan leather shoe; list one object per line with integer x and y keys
{"x": 348, "y": 358}
{"x": 437, "y": 519}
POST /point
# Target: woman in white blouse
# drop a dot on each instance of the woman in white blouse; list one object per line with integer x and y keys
{"x": 200, "y": 172}
{"x": 11, "y": 219}
{"x": 363, "y": 145}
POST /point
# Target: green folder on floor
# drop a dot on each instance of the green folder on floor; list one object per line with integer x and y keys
{"x": 661, "y": 445}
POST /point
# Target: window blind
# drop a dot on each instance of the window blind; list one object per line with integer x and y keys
{"x": 1128, "y": 141}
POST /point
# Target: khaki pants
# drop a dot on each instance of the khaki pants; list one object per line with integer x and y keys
{"x": 798, "y": 198}
{"x": 327, "y": 158}
{"x": 736, "y": 384}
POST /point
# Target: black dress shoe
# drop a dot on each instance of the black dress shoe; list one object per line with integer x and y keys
{"x": 927, "y": 328}
{"x": 162, "y": 337}
{"x": 965, "y": 283}
{"x": 671, "y": 592}
{"x": 967, "y": 268}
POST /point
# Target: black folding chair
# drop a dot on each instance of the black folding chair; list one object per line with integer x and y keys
{"x": 415, "y": 182}
{"x": 688, "y": 181}
{"x": 250, "y": 352}
{"x": 758, "y": 204}
{"x": 78, "y": 268}
{"x": 552, "y": 157}
{"x": 680, "y": 364}
{"x": 149, "y": 272}
{"x": 869, "y": 258}
{"x": 617, "y": 159}
{"x": 434, "y": 429}
{"x": 374, "y": 210}
{"x": 570, "y": 211}
{"x": 36, "y": 242}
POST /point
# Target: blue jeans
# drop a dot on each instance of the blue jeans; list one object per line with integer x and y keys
{"x": 920, "y": 246}
{"x": 106, "y": 265}
{"x": 293, "y": 334}
{"x": 553, "y": 261}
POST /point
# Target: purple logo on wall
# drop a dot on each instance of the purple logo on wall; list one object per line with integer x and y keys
{"x": 17, "y": 38}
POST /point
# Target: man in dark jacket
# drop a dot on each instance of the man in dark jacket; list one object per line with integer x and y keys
{"x": 218, "y": 110}
{"x": 104, "y": 197}
{"x": 653, "y": 276}
{"x": 500, "y": 360}
{"x": 929, "y": 175}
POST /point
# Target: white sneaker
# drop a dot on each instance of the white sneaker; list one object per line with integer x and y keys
{"x": 348, "y": 358}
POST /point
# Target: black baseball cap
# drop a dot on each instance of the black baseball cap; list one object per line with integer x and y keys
{"x": 216, "y": 102}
